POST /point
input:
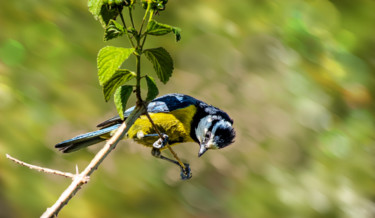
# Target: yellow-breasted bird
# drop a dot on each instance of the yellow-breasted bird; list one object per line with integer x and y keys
{"x": 180, "y": 118}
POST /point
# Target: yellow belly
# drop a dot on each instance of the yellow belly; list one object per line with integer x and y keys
{"x": 175, "y": 124}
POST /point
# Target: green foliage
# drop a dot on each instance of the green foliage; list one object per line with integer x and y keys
{"x": 162, "y": 62}
{"x": 95, "y": 7}
{"x": 122, "y": 95}
{"x": 109, "y": 60}
{"x": 152, "y": 89}
{"x": 158, "y": 29}
{"x": 118, "y": 78}
{"x": 155, "y": 5}
{"x": 113, "y": 30}
{"x": 119, "y": 2}
{"x": 106, "y": 10}
{"x": 102, "y": 11}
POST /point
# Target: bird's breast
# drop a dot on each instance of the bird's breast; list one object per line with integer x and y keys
{"x": 176, "y": 124}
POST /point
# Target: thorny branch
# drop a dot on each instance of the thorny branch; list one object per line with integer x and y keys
{"x": 83, "y": 177}
{"x": 41, "y": 169}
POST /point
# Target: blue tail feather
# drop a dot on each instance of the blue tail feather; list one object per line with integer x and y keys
{"x": 84, "y": 140}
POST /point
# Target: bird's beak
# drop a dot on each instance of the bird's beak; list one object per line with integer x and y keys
{"x": 202, "y": 150}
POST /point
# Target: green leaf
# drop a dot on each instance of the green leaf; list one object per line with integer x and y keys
{"x": 108, "y": 13}
{"x": 153, "y": 90}
{"x": 95, "y": 7}
{"x": 122, "y": 95}
{"x": 120, "y": 77}
{"x": 176, "y": 32}
{"x": 102, "y": 11}
{"x": 162, "y": 62}
{"x": 158, "y": 29}
{"x": 109, "y": 60}
{"x": 113, "y": 30}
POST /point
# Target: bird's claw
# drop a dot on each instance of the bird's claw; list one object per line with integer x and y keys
{"x": 186, "y": 172}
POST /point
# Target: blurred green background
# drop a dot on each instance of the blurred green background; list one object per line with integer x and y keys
{"x": 297, "y": 77}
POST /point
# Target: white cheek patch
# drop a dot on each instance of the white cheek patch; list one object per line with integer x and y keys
{"x": 203, "y": 126}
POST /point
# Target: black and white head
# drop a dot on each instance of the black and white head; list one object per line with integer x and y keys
{"x": 214, "y": 131}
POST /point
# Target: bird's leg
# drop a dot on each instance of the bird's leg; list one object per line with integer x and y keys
{"x": 185, "y": 169}
{"x": 162, "y": 142}
{"x": 163, "y": 138}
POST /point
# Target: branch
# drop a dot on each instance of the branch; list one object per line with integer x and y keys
{"x": 41, "y": 169}
{"x": 81, "y": 178}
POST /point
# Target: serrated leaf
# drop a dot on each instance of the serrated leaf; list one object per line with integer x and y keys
{"x": 95, "y": 7}
{"x": 121, "y": 97}
{"x": 102, "y": 11}
{"x": 158, "y": 29}
{"x": 120, "y": 77}
{"x": 109, "y": 60}
{"x": 113, "y": 30}
{"x": 152, "y": 89}
{"x": 162, "y": 62}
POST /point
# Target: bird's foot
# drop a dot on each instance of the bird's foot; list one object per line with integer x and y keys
{"x": 186, "y": 172}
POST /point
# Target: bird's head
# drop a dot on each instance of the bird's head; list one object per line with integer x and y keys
{"x": 214, "y": 132}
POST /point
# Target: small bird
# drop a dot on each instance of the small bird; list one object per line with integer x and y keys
{"x": 179, "y": 118}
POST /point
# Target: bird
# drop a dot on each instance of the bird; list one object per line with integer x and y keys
{"x": 178, "y": 118}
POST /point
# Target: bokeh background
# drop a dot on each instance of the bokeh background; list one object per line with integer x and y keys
{"x": 297, "y": 76}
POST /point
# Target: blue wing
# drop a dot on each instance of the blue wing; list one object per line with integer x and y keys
{"x": 163, "y": 104}
{"x": 85, "y": 140}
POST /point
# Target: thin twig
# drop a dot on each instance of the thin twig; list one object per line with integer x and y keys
{"x": 125, "y": 28}
{"x": 131, "y": 17}
{"x": 145, "y": 34}
{"x": 144, "y": 18}
{"x": 41, "y": 169}
{"x": 80, "y": 179}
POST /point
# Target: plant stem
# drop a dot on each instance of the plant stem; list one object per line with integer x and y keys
{"x": 138, "y": 78}
{"x": 131, "y": 17}
{"x": 144, "y": 18}
{"x": 138, "y": 54}
{"x": 144, "y": 40}
{"x": 126, "y": 29}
